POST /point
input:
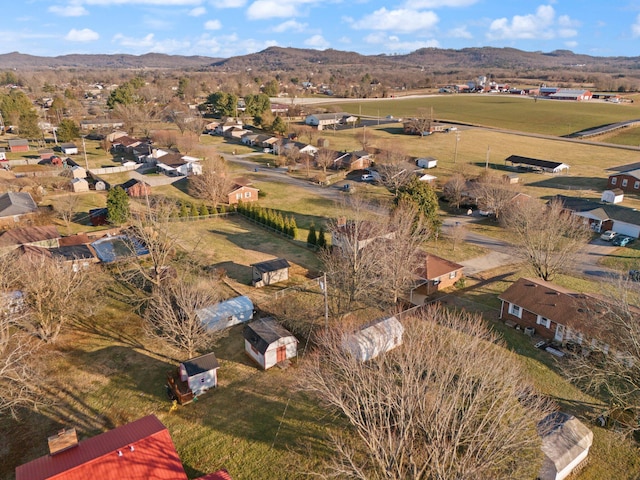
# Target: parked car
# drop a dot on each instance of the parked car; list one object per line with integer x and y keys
{"x": 367, "y": 177}
{"x": 622, "y": 240}
{"x": 608, "y": 235}
{"x": 634, "y": 275}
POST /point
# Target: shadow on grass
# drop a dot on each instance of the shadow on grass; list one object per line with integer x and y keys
{"x": 235, "y": 271}
{"x": 571, "y": 183}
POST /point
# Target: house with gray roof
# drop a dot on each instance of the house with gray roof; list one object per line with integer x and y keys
{"x": 14, "y": 206}
{"x": 604, "y": 216}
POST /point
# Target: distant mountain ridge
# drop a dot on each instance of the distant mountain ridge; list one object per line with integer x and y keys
{"x": 279, "y": 58}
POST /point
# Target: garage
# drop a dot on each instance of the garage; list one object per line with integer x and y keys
{"x": 624, "y": 228}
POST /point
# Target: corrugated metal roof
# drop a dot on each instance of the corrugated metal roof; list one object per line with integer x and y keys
{"x": 140, "y": 450}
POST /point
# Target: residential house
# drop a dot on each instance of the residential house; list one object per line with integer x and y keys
{"x": 113, "y": 136}
{"x": 3, "y": 154}
{"x": 242, "y": 193}
{"x": 565, "y": 443}
{"x": 359, "y": 160}
{"x": 18, "y": 145}
{"x": 69, "y": 148}
{"x": 15, "y": 207}
{"x": 434, "y": 274}
{"x": 270, "y": 272}
{"x": 537, "y": 165}
{"x": 101, "y": 124}
{"x": 136, "y": 188}
{"x": 604, "y": 216}
{"x": 79, "y": 257}
{"x": 250, "y": 139}
{"x": 350, "y": 235}
{"x": 142, "y": 449}
{"x": 226, "y": 314}
{"x": 176, "y": 164}
{"x": 281, "y": 148}
{"x": 615, "y": 195}
{"x": 45, "y": 236}
{"x": 374, "y": 339}
{"x": 268, "y": 343}
{"x": 628, "y": 181}
{"x": 552, "y": 312}
{"x": 229, "y": 124}
{"x": 324, "y": 120}
{"x": 124, "y": 144}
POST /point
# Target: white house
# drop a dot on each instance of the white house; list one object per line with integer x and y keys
{"x": 268, "y": 343}
{"x": 565, "y": 444}
{"x": 374, "y": 339}
{"x": 200, "y": 373}
{"x": 226, "y": 314}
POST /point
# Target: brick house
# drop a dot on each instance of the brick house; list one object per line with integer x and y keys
{"x": 242, "y": 193}
{"x": 628, "y": 181}
{"x": 434, "y": 274}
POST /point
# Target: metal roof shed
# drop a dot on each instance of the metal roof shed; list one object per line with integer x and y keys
{"x": 374, "y": 339}
{"x": 226, "y": 314}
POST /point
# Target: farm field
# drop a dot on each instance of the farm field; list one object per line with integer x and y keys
{"x": 512, "y": 112}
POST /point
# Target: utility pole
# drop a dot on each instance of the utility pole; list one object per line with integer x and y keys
{"x": 455, "y": 153}
{"x": 326, "y": 301}
{"x": 486, "y": 163}
{"x": 84, "y": 149}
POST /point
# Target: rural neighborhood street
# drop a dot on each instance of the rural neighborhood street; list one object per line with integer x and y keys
{"x": 501, "y": 253}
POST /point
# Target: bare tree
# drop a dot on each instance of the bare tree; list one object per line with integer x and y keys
{"x": 547, "y": 237}
{"x": 609, "y": 365}
{"x": 214, "y": 183}
{"x": 325, "y": 158}
{"x": 494, "y": 193}
{"x": 457, "y": 234}
{"x": 449, "y": 403}
{"x": 53, "y": 297}
{"x": 66, "y": 207}
{"x": 421, "y": 123}
{"x": 394, "y": 169}
{"x": 172, "y": 313}
{"x": 454, "y": 188}
{"x": 365, "y": 138}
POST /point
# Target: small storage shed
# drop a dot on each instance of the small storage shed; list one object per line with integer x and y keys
{"x": 78, "y": 172}
{"x": 427, "y": 162}
{"x": 200, "y": 373}
{"x": 615, "y": 195}
{"x": 374, "y": 339}
{"x": 270, "y": 272}
{"x": 427, "y": 178}
{"x": 565, "y": 444}
{"x": 79, "y": 185}
{"x": 69, "y": 148}
{"x": 268, "y": 343}
{"x": 226, "y": 314}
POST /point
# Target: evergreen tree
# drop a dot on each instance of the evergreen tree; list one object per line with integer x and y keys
{"x": 424, "y": 197}
{"x": 68, "y": 130}
{"x": 204, "y": 211}
{"x": 287, "y": 226}
{"x": 312, "y": 237}
{"x": 280, "y": 222}
{"x": 322, "y": 241}
{"x": 194, "y": 210}
{"x": 117, "y": 206}
{"x": 279, "y": 126}
{"x": 294, "y": 228}
{"x": 184, "y": 212}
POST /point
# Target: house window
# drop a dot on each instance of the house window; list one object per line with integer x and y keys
{"x": 436, "y": 281}
{"x": 545, "y": 322}
{"x": 453, "y": 274}
{"x": 515, "y": 310}
{"x": 636, "y": 185}
{"x": 624, "y": 182}
{"x": 247, "y": 194}
{"x": 238, "y": 196}
{"x": 614, "y": 180}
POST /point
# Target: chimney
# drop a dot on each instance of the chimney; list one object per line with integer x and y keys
{"x": 63, "y": 440}
{"x": 341, "y": 221}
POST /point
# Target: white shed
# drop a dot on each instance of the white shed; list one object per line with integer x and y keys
{"x": 226, "y": 314}
{"x": 613, "y": 196}
{"x": 270, "y": 272}
{"x": 268, "y": 343}
{"x": 427, "y": 162}
{"x": 100, "y": 186}
{"x": 200, "y": 373}
{"x": 78, "y": 172}
{"x": 374, "y": 339}
{"x": 427, "y": 178}
{"x": 565, "y": 444}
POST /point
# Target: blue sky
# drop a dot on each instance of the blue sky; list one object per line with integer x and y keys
{"x": 224, "y": 28}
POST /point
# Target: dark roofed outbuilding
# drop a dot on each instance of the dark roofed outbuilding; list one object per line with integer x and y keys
{"x": 534, "y": 163}
{"x": 270, "y": 272}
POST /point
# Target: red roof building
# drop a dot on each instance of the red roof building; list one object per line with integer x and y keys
{"x": 140, "y": 450}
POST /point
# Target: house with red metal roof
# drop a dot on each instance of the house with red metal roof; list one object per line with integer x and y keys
{"x": 140, "y": 450}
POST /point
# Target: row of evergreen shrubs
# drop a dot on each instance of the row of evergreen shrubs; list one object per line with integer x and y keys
{"x": 188, "y": 209}
{"x": 316, "y": 238}
{"x": 270, "y": 218}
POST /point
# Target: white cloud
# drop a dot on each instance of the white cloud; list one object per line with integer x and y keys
{"x": 422, "y": 4}
{"x": 212, "y": 25}
{"x": 393, "y": 43}
{"x": 84, "y": 35}
{"x": 635, "y": 28}
{"x": 539, "y": 25}
{"x": 317, "y": 41}
{"x": 460, "y": 32}
{"x": 230, "y": 3}
{"x": 149, "y": 43}
{"x": 169, "y": 3}
{"x": 198, "y": 11}
{"x": 571, "y": 44}
{"x": 230, "y": 45}
{"x": 290, "y": 26}
{"x": 69, "y": 10}
{"x": 262, "y": 9}
{"x": 402, "y": 20}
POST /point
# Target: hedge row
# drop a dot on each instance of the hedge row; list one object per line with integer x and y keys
{"x": 270, "y": 218}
